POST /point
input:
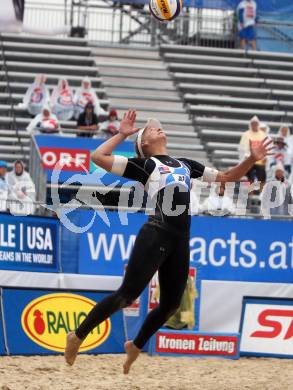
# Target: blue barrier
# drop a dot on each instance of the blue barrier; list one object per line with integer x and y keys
{"x": 37, "y": 321}
{"x": 220, "y": 248}
{"x": 29, "y": 243}
{"x": 74, "y": 153}
{"x": 105, "y": 249}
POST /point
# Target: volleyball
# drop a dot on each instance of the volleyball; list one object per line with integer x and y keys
{"x": 165, "y": 10}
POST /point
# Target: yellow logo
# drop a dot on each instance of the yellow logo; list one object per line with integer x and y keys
{"x": 47, "y": 319}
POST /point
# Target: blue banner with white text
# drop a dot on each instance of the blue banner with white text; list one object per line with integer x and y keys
{"x": 29, "y": 243}
{"x": 37, "y": 322}
{"x": 220, "y": 248}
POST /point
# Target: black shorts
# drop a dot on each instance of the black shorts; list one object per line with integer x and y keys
{"x": 257, "y": 172}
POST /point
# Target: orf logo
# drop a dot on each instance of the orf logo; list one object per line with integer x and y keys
{"x": 47, "y": 319}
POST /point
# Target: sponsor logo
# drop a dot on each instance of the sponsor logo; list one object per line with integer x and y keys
{"x": 68, "y": 159}
{"x": 47, "y": 319}
{"x": 196, "y": 344}
{"x": 272, "y": 320}
{"x": 267, "y": 328}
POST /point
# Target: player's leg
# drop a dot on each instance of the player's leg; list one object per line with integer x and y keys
{"x": 173, "y": 274}
{"x": 145, "y": 259}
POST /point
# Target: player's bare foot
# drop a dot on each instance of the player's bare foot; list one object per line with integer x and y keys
{"x": 132, "y": 353}
{"x": 72, "y": 346}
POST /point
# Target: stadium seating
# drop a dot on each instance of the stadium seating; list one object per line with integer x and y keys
{"x": 122, "y": 78}
{"x": 204, "y": 112}
{"x": 26, "y": 56}
{"x": 224, "y": 88}
{"x": 140, "y": 79}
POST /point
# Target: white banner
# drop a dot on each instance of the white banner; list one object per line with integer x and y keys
{"x": 59, "y": 280}
{"x": 221, "y": 302}
{"x": 267, "y": 327}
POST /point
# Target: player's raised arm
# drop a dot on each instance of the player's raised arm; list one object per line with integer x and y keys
{"x": 258, "y": 153}
{"x": 102, "y": 156}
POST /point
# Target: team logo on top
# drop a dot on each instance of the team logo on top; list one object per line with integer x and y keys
{"x": 47, "y": 319}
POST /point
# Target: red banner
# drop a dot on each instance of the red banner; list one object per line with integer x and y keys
{"x": 77, "y": 160}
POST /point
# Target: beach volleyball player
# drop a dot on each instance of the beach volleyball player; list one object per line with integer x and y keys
{"x": 163, "y": 242}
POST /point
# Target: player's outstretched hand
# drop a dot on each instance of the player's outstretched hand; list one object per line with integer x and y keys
{"x": 127, "y": 125}
{"x": 264, "y": 149}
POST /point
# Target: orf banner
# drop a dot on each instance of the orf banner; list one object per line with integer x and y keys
{"x": 267, "y": 327}
{"x": 29, "y": 243}
{"x": 72, "y": 156}
{"x": 37, "y": 321}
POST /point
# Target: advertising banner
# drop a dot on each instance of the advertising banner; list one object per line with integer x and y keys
{"x": 73, "y": 157}
{"x": 220, "y": 248}
{"x": 106, "y": 247}
{"x": 242, "y": 249}
{"x": 37, "y": 321}
{"x": 29, "y": 243}
{"x": 190, "y": 343}
{"x": 225, "y": 251}
{"x": 267, "y": 327}
{"x": 221, "y": 301}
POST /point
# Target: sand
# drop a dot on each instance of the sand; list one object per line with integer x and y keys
{"x": 104, "y": 372}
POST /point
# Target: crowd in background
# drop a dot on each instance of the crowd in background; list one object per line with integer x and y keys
{"x": 92, "y": 120}
{"x": 17, "y": 190}
{"x": 278, "y": 167}
{"x": 64, "y": 105}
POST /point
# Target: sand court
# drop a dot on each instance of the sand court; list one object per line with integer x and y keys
{"x": 104, "y": 372}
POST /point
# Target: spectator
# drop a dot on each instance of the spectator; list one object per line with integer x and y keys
{"x": 284, "y": 132}
{"x": 37, "y": 96}
{"x": 87, "y": 122}
{"x": 21, "y": 190}
{"x": 218, "y": 205}
{"x": 249, "y": 140}
{"x": 46, "y": 122}
{"x": 247, "y": 19}
{"x": 86, "y": 94}
{"x": 62, "y": 101}
{"x": 111, "y": 126}
{"x": 279, "y": 158}
{"x": 3, "y": 186}
{"x": 264, "y": 127}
